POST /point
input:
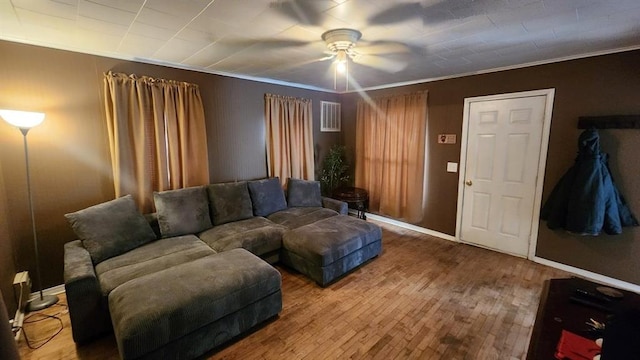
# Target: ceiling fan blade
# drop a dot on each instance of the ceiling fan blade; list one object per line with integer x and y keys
{"x": 382, "y": 47}
{"x": 265, "y": 43}
{"x": 301, "y": 63}
{"x": 303, "y": 11}
{"x": 435, "y": 13}
{"x": 397, "y": 13}
{"x": 381, "y": 63}
{"x": 329, "y": 57}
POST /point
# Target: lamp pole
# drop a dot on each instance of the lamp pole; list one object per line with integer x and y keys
{"x": 42, "y": 302}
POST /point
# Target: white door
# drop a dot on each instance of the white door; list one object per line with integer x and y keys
{"x": 501, "y": 169}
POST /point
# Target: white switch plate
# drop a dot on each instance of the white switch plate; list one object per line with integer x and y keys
{"x": 452, "y": 167}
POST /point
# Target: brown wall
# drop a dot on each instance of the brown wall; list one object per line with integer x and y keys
{"x": 69, "y": 153}
{"x": 603, "y": 85}
{"x": 7, "y": 265}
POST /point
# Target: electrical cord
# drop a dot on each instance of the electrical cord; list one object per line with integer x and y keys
{"x": 36, "y": 344}
{"x": 16, "y": 328}
{"x": 20, "y": 296}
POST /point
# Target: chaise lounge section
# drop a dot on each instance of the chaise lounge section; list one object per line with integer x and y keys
{"x": 186, "y": 310}
{"x": 327, "y": 249}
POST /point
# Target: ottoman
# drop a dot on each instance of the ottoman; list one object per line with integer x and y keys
{"x": 186, "y": 310}
{"x": 329, "y": 248}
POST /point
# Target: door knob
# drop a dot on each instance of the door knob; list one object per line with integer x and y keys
{"x": 468, "y": 182}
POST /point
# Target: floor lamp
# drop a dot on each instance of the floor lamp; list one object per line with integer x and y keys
{"x": 25, "y": 120}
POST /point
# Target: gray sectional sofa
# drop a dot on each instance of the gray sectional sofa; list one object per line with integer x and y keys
{"x": 177, "y": 283}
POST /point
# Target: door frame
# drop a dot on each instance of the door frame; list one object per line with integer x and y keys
{"x": 542, "y": 160}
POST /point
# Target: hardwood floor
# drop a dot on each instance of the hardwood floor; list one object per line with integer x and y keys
{"x": 422, "y": 298}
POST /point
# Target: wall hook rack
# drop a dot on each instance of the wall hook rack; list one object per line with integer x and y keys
{"x": 609, "y": 122}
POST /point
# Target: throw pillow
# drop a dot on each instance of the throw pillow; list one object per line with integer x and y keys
{"x": 267, "y": 196}
{"x": 303, "y": 193}
{"x": 111, "y": 228}
{"x": 183, "y": 211}
{"x": 229, "y": 202}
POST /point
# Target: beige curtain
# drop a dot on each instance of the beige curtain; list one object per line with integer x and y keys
{"x": 157, "y": 135}
{"x": 289, "y": 137}
{"x": 390, "y": 153}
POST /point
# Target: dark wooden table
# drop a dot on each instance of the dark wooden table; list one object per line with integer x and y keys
{"x": 357, "y": 199}
{"x": 557, "y": 312}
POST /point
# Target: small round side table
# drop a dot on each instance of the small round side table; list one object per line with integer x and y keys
{"x": 357, "y": 198}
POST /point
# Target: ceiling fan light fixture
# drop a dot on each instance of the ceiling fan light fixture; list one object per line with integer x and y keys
{"x": 341, "y": 61}
{"x": 341, "y": 39}
{"x": 341, "y": 42}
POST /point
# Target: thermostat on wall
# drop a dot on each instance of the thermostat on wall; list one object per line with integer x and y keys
{"x": 447, "y": 139}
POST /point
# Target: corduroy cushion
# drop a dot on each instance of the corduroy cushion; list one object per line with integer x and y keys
{"x": 182, "y": 211}
{"x": 229, "y": 202}
{"x": 152, "y": 311}
{"x": 303, "y": 193}
{"x": 148, "y": 259}
{"x": 295, "y": 217}
{"x": 324, "y": 242}
{"x": 111, "y": 228}
{"x": 267, "y": 196}
{"x": 256, "y": 234}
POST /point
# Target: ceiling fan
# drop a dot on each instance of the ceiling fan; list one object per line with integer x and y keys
{"x": 344, "y": 46}
{"x": 341, "y": 44}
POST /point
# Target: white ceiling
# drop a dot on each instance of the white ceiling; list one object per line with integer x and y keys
{"x": 280, "y": 39}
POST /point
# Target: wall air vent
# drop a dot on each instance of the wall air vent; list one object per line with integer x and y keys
{"x": 330, "y": 116}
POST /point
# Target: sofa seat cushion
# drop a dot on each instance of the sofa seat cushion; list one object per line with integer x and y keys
{"x": 296, "y": 217}
{"x": 258, "y": 235}
{"x": 150, "y": 258}
{"x": 155, "y": 310}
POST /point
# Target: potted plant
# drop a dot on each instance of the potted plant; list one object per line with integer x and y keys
{"x": 335, "y": 170}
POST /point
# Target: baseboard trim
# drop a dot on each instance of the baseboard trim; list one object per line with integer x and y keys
{"x": 407, "y": 226}
{"x": 571, "y": 269}
{"x": 56, "y": 290}
{"x": 589, "y": 275}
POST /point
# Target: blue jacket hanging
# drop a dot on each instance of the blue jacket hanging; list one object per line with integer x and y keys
{"x": 585, "y": 200}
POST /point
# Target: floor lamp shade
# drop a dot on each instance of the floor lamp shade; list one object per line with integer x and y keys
{"x": 25, "y": 120}
{"x": 22, "y": 119}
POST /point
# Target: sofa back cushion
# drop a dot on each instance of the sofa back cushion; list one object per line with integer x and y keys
{"x": 229, "y": 202}
{"x": 267, "y": 196}
{"x": 183, "y": 211}
{"x": 111, "y": 228}
{"x": 303, "y": 193}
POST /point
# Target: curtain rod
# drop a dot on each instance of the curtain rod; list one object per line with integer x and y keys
{"x": 148, "y": 78}
{"x": 267, "y": 95}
